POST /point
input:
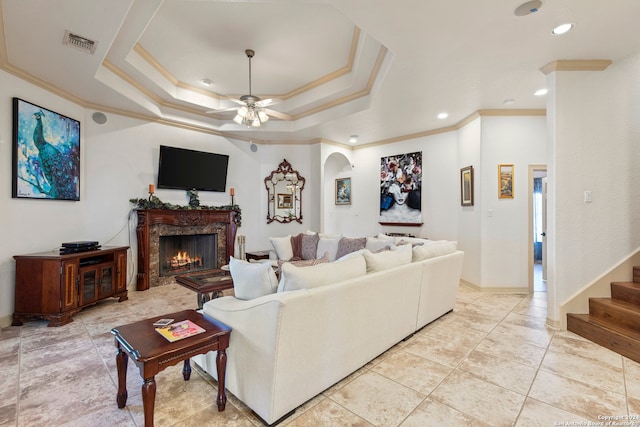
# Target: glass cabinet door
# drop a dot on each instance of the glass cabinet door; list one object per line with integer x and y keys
{"x": 106, "y": 281}
{"x": 88, "y": 289}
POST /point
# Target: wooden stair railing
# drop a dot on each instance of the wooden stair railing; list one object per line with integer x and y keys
{"x": 613, "y": 322}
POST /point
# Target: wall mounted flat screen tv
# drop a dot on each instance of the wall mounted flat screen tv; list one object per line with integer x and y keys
{"x": 183, "y": 169}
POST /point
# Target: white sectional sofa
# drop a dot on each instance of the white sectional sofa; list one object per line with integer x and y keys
{"x": 288, "y": 346}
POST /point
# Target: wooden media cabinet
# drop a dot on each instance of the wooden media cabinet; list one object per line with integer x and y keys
{"x": 54, "y": 287}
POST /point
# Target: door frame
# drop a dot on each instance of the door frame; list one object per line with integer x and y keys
{"x": 532, "y": 170}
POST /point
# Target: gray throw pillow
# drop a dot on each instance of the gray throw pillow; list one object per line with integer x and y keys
{"x": 348, "y": 245}
{"x": 309, "y": 245}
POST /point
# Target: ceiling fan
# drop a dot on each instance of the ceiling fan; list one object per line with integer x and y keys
{"x": 252, "y": 111}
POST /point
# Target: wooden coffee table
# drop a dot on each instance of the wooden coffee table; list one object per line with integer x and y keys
{"x": 152, "y": 353}
{"x": 206, "y": 282}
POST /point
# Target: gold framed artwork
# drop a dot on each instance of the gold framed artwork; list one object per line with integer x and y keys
{"x": 285, "y": 201}
{"x": 466, "y": 186}
{"x": 505, "y": 181}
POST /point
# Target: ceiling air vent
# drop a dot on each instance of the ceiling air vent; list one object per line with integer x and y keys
{"x": 79, "y": 42}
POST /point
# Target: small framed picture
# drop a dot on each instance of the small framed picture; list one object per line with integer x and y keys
{"x": 285, "y": 201}
{"x": 466, "y": 186}
{"x": 343, "y": 191}
{"x": 505, "y": 181}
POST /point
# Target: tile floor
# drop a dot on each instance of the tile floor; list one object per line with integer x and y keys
{"x": 492, "y": 362}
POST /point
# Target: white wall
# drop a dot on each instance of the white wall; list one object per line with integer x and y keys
{"x": 440, "y": 188}
{"x": 595, "y": 136}
{"x": 470, "y": 217}
{"x": 520, "y": 141}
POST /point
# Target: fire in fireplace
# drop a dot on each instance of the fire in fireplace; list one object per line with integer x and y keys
{"x": 187, "y": 253}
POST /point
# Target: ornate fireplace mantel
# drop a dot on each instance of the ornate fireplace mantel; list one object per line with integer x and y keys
{"x": 147, "y": 218}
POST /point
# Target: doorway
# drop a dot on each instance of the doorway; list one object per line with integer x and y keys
{"x": 537, "y": 228}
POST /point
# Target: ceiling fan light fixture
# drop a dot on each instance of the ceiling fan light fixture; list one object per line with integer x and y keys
{"x": 251, "y": 114}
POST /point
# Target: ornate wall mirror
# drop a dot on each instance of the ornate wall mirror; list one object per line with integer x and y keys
{"x": 284, "y": 194}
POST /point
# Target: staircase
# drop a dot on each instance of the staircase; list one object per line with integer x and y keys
{"x": 613, "y": 322}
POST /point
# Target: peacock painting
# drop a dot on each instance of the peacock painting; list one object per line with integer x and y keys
{"x": 46, "y": 153}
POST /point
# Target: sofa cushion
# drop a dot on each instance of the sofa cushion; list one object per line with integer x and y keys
{"x": 252, "y": 279}
{"x": 433, "y": 248}
{"x": 293, "y": 277}
{"x": 346, "y": 245}
{"x": 282, "y": 246}
{"x": 310, "y": 245}
{"x": 328, "y": 244}
{"x": 387, "y": 259}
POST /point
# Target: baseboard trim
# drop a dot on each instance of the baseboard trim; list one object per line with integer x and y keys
{"x": 554, "y": 324}
{"x": 496, "y": 289}
{"x": 6, "y": 321}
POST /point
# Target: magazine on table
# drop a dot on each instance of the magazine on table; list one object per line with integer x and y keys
{"x": 179, "y": 330}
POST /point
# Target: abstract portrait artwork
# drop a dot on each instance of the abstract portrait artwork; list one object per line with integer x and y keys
{"x": 46, "y": 153}
{"x": 401, "y": 189}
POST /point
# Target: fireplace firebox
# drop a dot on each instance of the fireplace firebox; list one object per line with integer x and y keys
{"x": 156, "y": 223}
{"x": 187, "y": 253}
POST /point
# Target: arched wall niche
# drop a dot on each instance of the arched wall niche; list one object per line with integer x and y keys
{"x": 337, "y": 165}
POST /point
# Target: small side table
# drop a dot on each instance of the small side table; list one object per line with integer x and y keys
{"x": 152, "y": 353}
{"x": 205, "y": 283}
{"x": 257, "y": 255}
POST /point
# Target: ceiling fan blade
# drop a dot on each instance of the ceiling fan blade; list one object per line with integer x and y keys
{"x": 221, "y": 111}
{"x": 278, "y": 114}
{"x": 226, "y": 102}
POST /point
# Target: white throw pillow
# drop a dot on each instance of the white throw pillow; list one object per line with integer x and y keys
{"x": 282, "y": 246}
{"x": 387, "y": 259}
{"x": 374, "y": 244}
{"x": 329, "y": 245}
{"x": 434, "y": 248}
{"x": 413, "y": 240}
{"x": 293, "y": 278}
{"x": 385, "y": 237}
{"x": 252, "y": 279}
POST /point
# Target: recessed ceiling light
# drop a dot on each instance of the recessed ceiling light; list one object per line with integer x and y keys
{"x": 442, "y": 116}
{"x": 206, "y": 82}
{"x": 562, "y": 29}
{"x": 509, "y": 101}
{"x": 353, "y": 139}
{"x": 541, "y": 92}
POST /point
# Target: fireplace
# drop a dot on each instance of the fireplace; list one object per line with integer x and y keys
{"x": 187, "y": 253}
{"x": 216, "y": 230}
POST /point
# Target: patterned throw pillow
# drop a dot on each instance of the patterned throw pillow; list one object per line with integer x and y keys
{"x": 309, "y": 245}
{"x": 348, "y": 245}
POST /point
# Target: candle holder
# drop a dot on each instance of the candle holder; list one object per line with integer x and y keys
{"x": 150, "y": 195}
{"x": 233, "y": 202}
